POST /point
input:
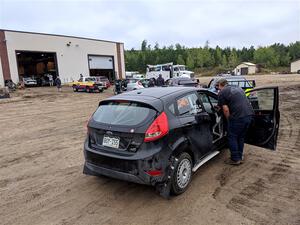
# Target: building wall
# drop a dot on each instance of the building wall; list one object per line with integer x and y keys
{"x": 71, "y": 60}
{"x": 1, "y": 76}
{"x": 251, "y": 69}
{"x": 295, "y": 66}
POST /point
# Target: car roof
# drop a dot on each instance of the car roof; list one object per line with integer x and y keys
{"x": 159, "y": 92}
{"x": 155, "y": 96}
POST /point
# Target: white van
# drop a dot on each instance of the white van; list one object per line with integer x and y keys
{"x": 168, "y": 70}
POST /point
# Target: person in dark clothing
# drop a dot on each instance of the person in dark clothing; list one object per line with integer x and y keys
{"x": 118, "y": 86}
{"x": 160, "y": 81}
{"x": 58, "y": 83}
{"x": 238, "y": 112}
{"x": 151, "y": 82}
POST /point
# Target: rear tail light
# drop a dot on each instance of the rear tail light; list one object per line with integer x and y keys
{"x": 154, "y": 173}
{"x": 158, "y": 129}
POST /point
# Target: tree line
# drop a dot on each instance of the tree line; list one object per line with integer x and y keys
{"x": 196, "y": 59}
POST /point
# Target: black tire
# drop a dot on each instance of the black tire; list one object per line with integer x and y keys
{"x": 100, "y": 90}
{"x": 180, "y": 182}
{"x": 75, "y": 89}
{"x": 87, "y": 90}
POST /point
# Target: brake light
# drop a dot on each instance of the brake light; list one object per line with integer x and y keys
{"x": 154, "y": 173}
{"x": 158, "y": 129}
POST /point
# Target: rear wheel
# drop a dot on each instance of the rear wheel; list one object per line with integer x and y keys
{"x": 182, "y": 174}
{"x": 88, "y": 90}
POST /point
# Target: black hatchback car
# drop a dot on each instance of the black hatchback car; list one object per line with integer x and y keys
{"x": 160, "y": 136}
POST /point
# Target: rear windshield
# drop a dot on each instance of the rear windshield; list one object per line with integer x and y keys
{"x": 123, "y": 113}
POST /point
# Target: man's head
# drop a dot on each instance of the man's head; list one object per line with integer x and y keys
{"x": 221, "y": 83}
{"x": 159, "y": 75}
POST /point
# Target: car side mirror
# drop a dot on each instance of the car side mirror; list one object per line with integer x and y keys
{"x": 202, "y": 117}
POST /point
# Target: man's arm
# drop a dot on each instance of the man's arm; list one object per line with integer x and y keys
{"x": 226, "y": 111}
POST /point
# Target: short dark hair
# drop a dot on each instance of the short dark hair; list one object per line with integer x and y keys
{"x": 222, "y": 82}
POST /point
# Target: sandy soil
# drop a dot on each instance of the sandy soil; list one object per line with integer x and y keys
{"x": 41, "y": 180}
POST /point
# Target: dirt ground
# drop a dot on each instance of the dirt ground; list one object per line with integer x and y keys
{"x": 41, "y": 180}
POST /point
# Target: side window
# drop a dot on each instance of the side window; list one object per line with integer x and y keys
{"x": 262, "y": 99}
{"x": 172, "y": 108}
{"x": 206, "y": 103}
{"x": 189, "y": 105}
{"x": 213, "y": 101}
{"x": 166, "y": 68}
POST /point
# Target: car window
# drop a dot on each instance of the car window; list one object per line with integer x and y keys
{"x": 123, "y": 113}
{"x": 213, "y": 101}
{"x": 206, "y": 103}
{"x": 158, "y": 68}
{"x": 189, "y": 105}
{"x": 166, "y": 68}
{"x": 212, "y": 83}
{"x": 262, "y": 99}
{"x": 172, "y": 108}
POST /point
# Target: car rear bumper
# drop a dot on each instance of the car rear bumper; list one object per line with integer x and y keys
{"x": 128, "y": 169}
{"x": 94, "y": 170}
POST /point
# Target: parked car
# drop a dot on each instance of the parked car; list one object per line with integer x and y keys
{"x": 133, "y": 84}
{"x": 88, "y": 84}
{"x": 104, "y": 80}
{"x": 29, "y": 82}
{"x": 161, "y": 136}
{"x": 240, "y": 81}
{"x": 145, "y": 82}
{"x": 182, "y": 81}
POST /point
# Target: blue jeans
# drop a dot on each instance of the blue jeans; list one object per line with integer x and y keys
{"x": 237, "y": 129}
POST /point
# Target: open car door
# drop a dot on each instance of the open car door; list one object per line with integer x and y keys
{"x": 263, "y": 130}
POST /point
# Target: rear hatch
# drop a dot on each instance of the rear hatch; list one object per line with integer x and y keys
{"x": 120, "y": 125}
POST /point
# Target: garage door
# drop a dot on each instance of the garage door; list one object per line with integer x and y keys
{"x": 101, "y": 62}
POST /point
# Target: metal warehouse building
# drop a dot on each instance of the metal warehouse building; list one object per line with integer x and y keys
{"x": 26, "y": 54}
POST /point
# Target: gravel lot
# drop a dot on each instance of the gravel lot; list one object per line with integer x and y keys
{"x": 41, "y": 180}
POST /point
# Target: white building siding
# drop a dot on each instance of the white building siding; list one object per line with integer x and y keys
{"x": 251, "y": 69}
{"x": 71, "y": 60}
{"x": 295, "y": 66}
{"x": 123, "y": 60}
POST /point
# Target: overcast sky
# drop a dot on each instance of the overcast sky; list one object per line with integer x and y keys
{"x": 234, "y": 23}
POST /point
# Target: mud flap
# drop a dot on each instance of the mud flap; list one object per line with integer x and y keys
{"x": 164, "y": 189}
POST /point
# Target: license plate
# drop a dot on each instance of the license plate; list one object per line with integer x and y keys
{"x": 112, "y": 142}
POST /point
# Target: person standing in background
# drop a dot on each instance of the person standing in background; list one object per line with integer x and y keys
{"x": 58, "y": 83}
{"x": 160, "y": 81}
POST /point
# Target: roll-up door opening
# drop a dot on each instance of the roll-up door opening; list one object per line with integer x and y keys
{"x": 101, "y": 66}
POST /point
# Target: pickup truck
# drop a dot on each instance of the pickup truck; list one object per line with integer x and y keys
{"x": 88, "y": 84}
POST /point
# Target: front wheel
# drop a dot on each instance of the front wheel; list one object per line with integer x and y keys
{"x": 75, "y": 89}
{"x": 182, "y": 174}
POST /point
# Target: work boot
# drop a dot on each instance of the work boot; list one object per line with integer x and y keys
{"x": 232, "y": 162}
